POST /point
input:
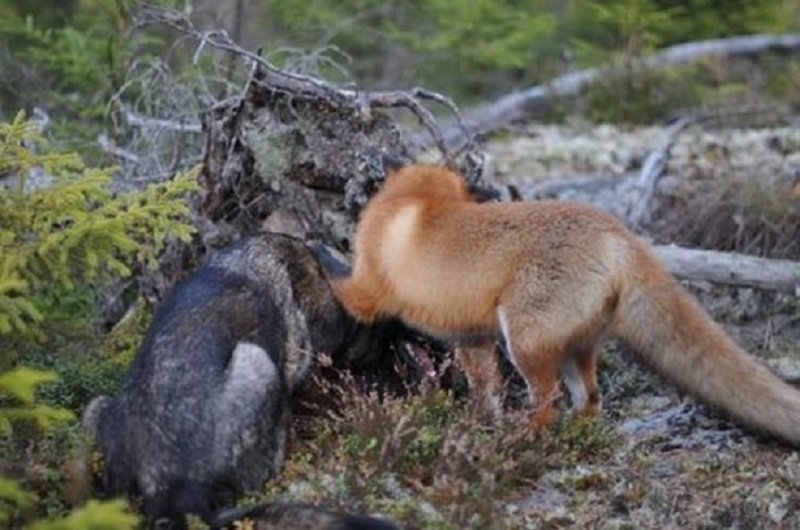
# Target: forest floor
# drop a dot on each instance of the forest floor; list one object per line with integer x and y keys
{"x": 653, "y": 459}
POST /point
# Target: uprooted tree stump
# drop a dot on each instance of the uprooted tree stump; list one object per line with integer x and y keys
{"x": 292, "y": 143}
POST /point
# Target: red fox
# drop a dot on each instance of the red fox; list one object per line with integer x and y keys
{"x": 550, "y": 279}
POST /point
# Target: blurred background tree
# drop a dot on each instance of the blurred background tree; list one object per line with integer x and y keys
{"x": 69, "y": 57}
{"x": 65, "y": 58}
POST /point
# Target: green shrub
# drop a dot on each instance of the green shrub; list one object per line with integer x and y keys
{"x": 58, "y": 243}
{"x": 75, "y": 231}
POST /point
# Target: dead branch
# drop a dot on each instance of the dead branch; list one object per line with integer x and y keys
{"x": 304, "y": 86}
{"x": 154, "y": 116}
{"x": 154, "y": 123}
{"x": 731, "y": 268}
{"x": 409, "y": 100}
{"x": 639, "y": 203}
{"x": 522, "y": 104}
{"x": 285, "y": 139}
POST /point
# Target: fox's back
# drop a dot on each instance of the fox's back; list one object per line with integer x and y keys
{"x": 454, "y": 261}
{"x": 470, "y": 241}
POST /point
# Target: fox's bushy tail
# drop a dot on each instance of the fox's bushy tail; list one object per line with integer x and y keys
{"x": 673, "y": 334}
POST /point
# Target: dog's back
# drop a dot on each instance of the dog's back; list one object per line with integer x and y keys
{"x": 204, "y": 414}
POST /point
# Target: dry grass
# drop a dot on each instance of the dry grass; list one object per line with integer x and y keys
{"x": 425, "y": 458}
{"x": 743, "y": 214}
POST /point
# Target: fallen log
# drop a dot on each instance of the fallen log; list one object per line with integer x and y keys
{"x": 731, "y": 268}
{"x": 517, "y": 105}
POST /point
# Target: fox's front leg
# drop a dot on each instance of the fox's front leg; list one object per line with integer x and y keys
{"x": 483, "y": 375}
{"x": 539, "y": 367}
{"x": 360, "y": 301}
{"x": 542, "y": 380}
{"x": 587, "y": 364}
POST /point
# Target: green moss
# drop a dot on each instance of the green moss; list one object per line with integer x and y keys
{"x": 273, "y": 154}
{"x": 578, "y": 438}
{"x": 124, "y": 340}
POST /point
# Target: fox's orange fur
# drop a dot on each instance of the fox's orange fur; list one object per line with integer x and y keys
{"x": 550, "y": 279}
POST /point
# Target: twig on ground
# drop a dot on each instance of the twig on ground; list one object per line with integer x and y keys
{"x": 108, "y": 146}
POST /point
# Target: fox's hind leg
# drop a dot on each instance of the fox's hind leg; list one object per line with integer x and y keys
{"x": 580, "y": 375}
{"x": 483, "y": 375}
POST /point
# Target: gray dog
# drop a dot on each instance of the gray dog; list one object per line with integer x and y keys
{"x": 204, "y": 414}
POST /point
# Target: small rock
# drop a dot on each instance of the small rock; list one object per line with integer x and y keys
{"x": 618, "y": 524}
{"x": 777, "y": 510}
{"x": 540, "y": 500}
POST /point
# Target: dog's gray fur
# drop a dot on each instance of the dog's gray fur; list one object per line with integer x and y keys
{"x": 204, "y": 414}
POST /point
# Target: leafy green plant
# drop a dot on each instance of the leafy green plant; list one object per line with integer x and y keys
{"x": 463, "y": 48}
{"x": 630, "y": 27}
{"x": 109, "y": 515}
{"x": 601, "y": 29}
{"x": 17, "y": 392}
{"x": 96, "y": 515}
{"x": 79, "y": 378}
{"x": 704, "y": 19}
{"x": 67, "y": 65}
{"x": 69, "y": 59}
{"x": 12, "y": 497}
{"x": 73, "y": 234}
{"x": 481, "y": 34}
{"x": 18, "y": 386}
